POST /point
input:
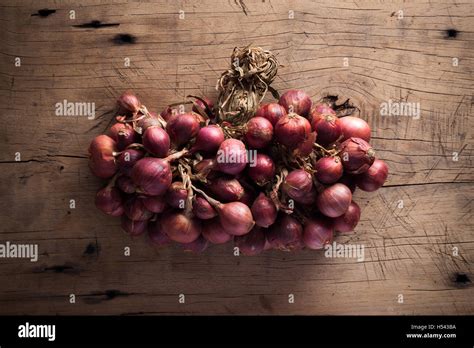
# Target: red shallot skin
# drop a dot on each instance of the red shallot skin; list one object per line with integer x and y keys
{"x": 374, "y": 177}
{"x": 176, "y": 195}
{"x": 226, "y": 188}
{"x": 198, "y": 246}
{"x": 263, "y": 170}
{"x": 264, "y": 211}
{"x": 232, "y": 157}
{"x": 123, "y": 134}
{"x": 208, "y": 110}
{"x": 168, "y": 112}
{"x": 236, "y": 218}
{"x": 327, "y": 127}
{"x": 202, "y": 209}
{"x": 181, "y": 128}
{"x": 213, "y": 231}
{"x": 155, "y": 204}
{"x": 334, "y": 200}
{"x": 272, "y": 112}
{"x": 109, "y": 201}
{"x": 317, "y": 233}
{"x": 136, "y": 210}
{"x": 152, "y": 176}
{"x": 328, "y": 169}
{"x": 179, "y": 227}
{"x": 156, "y": 141}
{"x": 258, "y": 133}
{"x": 349, "y": 220}
{"x": 101, "y": 157}
{"x": 322, "y": 109}
{"x": 357, "y": 155}
{"x": 286, "y": 234}
{"x": 292, "y": 130}
{"x": 251, "y": 244}
{"x": 296, "y": 101}
{"x": 127, "y": 159}
{"x": 133, "y": 228}
{"x": 129, "y": 102}
{"x": 354, "y": 127}
{"x": 297, "y": 184}
{"x": 156, "y": 235}
{"x": 125, "y": 184}
{"x": 209, "y": 139}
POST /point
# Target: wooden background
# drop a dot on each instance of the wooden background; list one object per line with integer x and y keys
{"x": 409, "y": 250}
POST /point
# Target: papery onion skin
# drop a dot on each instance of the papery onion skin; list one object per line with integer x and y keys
{"x": 168, "y": 112}
{"x": 292, "y": 130}
{"x": 152, "y": 176}
{"x": 252, "y": 243}
{"x": 123, "y": 134}
{"x": 133, "y": 228}
{"x": 317, "y": 233}
{"x": 357, "y": 155}
{"x": 151, "y": 120}
{"x": 109, "y": 201}
{"x": 232, "y": 157}
{"x": 209, "y": 139}
{"x": 129, "y": 102}
{"x": 327, "y": 127}
{"x": 263, "y": 170}
{"x": 136, "y": 210}
{"x": 226, "y": 188}
{"x": 297, "y": 184}
{"x": 214, "y": 232}
{"x": 125, "y": 184}
{"x": 296, "y": 101}
{"x": 374, "y": 177}
{"x": 156, "y": 141}
{"x": 197, "y": 246}
{"x": 349, "y": 220}
{"x": 329, "y": 169}
{"x": 264, "y": 211}
{"x": 258, "y": 133}
{"x": 202, "y": 209}
{"x": 272, "y": 112}
{"x": 236, "y": 218}
{"x": 354, "y": 127}
{"x": 179, "y": 227}
{"x": 286, "y": 234}
{"x": 155, "y": 204}
{"x": 182, "y": 127}
{"x": 322, "y": 109}
{"x": 334, "y": 200}
{"x": 176, "y": 195}
{"x": 101, "y": 157}
{"x": 156, "y": 235}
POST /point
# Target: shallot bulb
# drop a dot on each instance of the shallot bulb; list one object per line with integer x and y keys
{"x": 258, "y": 132}
{"x": 214, "y": 232}
{"x": 297, "y": 184}
{"x": 152, "y": 176}
{"x": 129, "y": 102}
{"x": 208, "y": 139}
{"x": 109, "y": 201}
{"x": 133, "y": 228}
{"x": 286, "y": 234}
{"x": 226, "y": 188}
{"x": 101, "y": 156}
{"x": 231, "y": 157}
{"x": 348, "y": 221}
{"x": 354, "y": 127}
{"x": 123, "y": 134}
{"x": 127, "y": 159}
{"x": 207, "y": 109}
{"x": 202, "y": 209}
{"x": 296, "y": 101}
{"x": 156, "y": 235}
{"x": 183, "y": 127}
{"x": 125, "y": 184}
{"x": 263, "y": 170}
{"x": 136, "y": 210}
{"x": 374, "y": 177}
{"x": 357, "y": 155}
{"x": 327, "y": 127}
{"x": 317, "y": 233}
{"x": 292, "y": 130}
{"x": 328, "y": 169}
{"x": 156, "y": 141}
{"x": 334, "y": 200}
{"x": 272, "y": 112}
{"x": 155, "y": 204}
{"x": 197, "y": 246}
{"x": 252, "y": 243}
{"x": 176, "y": 195}
{"x": 179, "y": 227}
{"x": 264, "y": 211}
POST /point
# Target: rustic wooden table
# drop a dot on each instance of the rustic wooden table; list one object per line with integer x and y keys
{"x": 417, "y": 230}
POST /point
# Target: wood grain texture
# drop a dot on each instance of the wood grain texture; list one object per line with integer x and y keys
{"x": 408, "y": 250}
